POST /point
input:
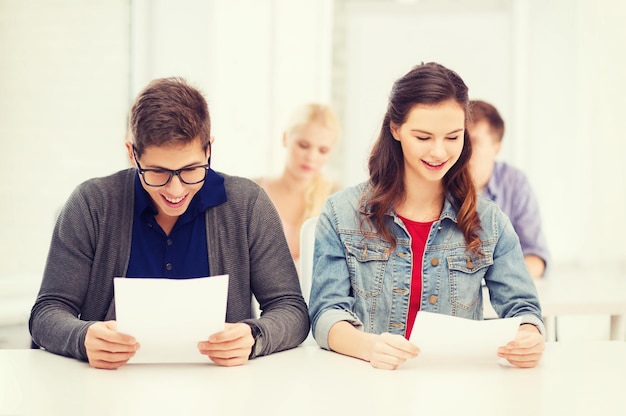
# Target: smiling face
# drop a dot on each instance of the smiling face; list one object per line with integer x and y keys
{"x": 172, "y": 200}
{"x": 308, "y": 150}
{"x": 431, "y": 140}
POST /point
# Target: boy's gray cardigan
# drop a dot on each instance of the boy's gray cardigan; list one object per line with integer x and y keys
{"x": 91, "y": 245}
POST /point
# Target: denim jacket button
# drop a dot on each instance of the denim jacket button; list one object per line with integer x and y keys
{"x": 434, "y": 261}
{"x": 432, "y": 299}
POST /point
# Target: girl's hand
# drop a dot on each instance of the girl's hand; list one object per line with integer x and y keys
{"x": 391, "y": 350}
{"x": 526, "y": 349}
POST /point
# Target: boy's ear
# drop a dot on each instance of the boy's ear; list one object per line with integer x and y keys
{"x": 497, "y": 147}
{"x": 129, "y": 149}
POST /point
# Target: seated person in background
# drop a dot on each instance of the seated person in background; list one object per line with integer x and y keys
{"x": 170, "y": 216}
{"x": 506, "y": 185}
{"x": 416, "y": 236}
{"x": 301, "y": 190}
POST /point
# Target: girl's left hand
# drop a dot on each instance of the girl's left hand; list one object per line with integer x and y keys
{"x": 526, "y": 349}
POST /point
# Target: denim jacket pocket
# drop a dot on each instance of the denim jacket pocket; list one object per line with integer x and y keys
{"x": 367, "y": 260}
{"x": 466, "y": 275}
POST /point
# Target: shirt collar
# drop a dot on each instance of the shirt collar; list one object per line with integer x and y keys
{"x": 211, "y": 194}
{"x": 491, "y": 190}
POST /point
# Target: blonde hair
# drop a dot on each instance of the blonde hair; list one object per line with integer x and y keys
{"x": 321, "y": 187}
{"x": 313, "y": 113}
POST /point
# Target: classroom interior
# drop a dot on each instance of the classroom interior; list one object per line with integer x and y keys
{"x": 554, "y": 69}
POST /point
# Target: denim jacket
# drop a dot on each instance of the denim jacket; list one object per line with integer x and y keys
{"x": 357, "y": 278}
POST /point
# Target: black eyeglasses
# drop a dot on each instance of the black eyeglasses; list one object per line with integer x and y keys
{"x": 161, "y": 177}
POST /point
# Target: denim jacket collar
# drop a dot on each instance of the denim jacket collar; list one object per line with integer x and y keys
{"x": 448, "y": 210}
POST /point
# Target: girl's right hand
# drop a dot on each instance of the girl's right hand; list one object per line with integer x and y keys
{"x": 391, "y": 350}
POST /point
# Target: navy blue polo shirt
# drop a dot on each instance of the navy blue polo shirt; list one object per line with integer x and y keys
{"x": 182, "y": 254}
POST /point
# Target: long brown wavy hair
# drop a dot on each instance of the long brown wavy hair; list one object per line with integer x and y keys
{"x": 428, "y": 84}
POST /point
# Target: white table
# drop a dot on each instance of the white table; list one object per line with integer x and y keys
{"x": 580, "y": 290}
{"x": 572, "y": 379}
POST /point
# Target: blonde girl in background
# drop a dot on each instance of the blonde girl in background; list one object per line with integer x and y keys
{"x": 301, "y": 189}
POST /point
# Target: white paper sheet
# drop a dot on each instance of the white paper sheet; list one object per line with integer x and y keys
{"x": 448, "y": 338}
{"x": 168, "y": 317}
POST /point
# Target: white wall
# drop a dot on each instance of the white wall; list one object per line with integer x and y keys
{"x": 254, "y": 59}
{"x": 573, "y": 150}
{"x": 63, "y": 101}
{"x": 71, "y": 67}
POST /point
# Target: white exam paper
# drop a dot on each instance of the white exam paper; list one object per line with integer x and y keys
{"x": 449, "y": 338}
{"x": 168, "y": 317}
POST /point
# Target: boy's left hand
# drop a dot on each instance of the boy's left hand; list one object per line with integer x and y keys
{"x": 230, "y": 347}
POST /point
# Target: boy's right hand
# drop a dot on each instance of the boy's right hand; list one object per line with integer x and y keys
{"x": 107, "y": 348}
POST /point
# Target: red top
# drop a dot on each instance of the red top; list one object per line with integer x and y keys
{"x": 419, "y": 232}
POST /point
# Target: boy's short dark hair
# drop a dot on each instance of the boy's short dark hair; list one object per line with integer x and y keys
{"x": 482, "y": 110}
{"x": 168, "y": 111}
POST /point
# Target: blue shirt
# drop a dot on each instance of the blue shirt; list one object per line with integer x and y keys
{"x": 182, "y": 254}
{"x": 510, "y": 189}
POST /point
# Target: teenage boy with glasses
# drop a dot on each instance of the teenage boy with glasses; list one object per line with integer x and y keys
{"x": 170, "y": 216}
